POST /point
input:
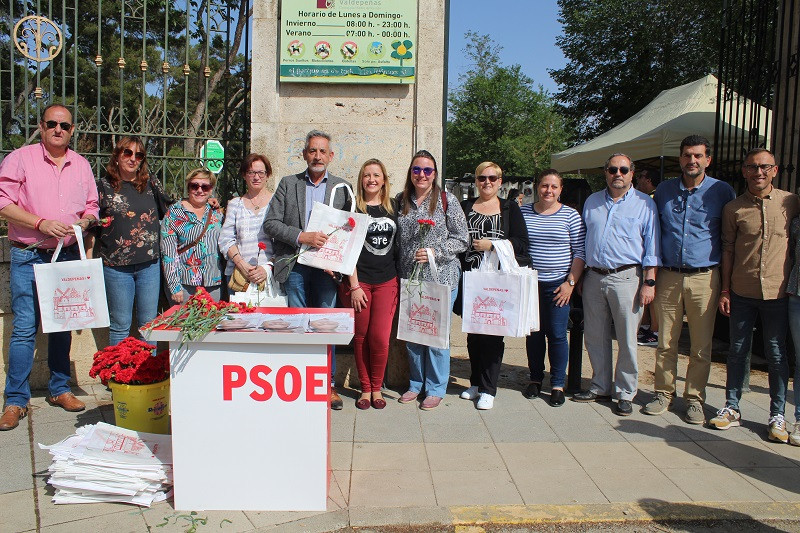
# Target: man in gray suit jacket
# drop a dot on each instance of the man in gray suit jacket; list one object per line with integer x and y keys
{"x": 286, "y": 220}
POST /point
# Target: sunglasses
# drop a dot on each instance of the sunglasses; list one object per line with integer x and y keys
{"x": 127, "y": 152}
{"x": 194, "y": 186}
{"x": 622, "y": 170}
{"x": 492, "y": 178}
{"x": 51, "y": 125}
{"x": 420, "y": 170}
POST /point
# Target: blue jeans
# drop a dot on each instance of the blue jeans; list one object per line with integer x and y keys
{"x": 123, "y": 284}
{"x": 775, "y": 322}
{"x": 311, "y": 287}
{"x": 794, "y": 327}
{"x": 553, "y": 322}
{"x": 25, "y": 306}
{"x": 429, "y": 366}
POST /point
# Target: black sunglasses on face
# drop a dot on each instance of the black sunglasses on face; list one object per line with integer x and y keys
{"x": 194, "y": 186}
{"x": 51, "y": 124}
{"x": 491, "y": 178}
{"x": 127, "y": 152}
{"x": 622, "y": 170}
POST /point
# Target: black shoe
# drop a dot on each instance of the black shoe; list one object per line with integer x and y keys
{"x": 624, "y": 408}
{"x": 532, "y": 390}
{"x": 556, "y": 398}
{"x": 590, "y": 396}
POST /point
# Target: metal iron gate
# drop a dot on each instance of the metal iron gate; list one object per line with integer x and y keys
{"x": 759, "y": 67}
{"x": 176, "y": 73}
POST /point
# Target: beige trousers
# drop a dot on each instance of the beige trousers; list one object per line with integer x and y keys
{"x": 696, "y": 295}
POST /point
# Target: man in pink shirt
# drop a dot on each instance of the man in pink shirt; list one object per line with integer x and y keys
{"x": 45, "y": 189}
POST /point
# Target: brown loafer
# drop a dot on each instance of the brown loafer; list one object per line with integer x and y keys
{"x": 12, "y": 414}
{"x": 336, "y": 401}
{"x": 67, "y": 401}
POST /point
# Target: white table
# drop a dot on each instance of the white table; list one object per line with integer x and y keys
{"x": 251, "y": 418}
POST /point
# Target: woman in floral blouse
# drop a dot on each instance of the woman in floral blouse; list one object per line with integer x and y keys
{"x": 128, "y": 242}
{"x": 423, "y": 198}
{"x": 189, "y": 236}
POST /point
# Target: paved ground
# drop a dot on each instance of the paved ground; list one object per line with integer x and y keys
{"x": 521, "y": 465}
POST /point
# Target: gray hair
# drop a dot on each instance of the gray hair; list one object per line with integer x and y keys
{"x": 619, "y": 154}
{"x": 315, "y": 133}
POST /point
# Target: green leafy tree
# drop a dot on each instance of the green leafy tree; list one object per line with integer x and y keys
{"x": 497, "y": 114}
{"x": 622, "y": 53}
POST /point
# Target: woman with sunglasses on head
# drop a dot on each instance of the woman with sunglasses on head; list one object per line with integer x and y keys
{"x": 242, "y": 232}
{"x": 489, "y": 218}
{"x": 372, "y": 289}
{"x": 189, "y": 237}
{"x": 556, "y": 236}
{"x": 423, "y": 198}
{"x": 128, "y": 244}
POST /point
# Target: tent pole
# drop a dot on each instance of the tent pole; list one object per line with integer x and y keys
{"x": 662, "y": 166}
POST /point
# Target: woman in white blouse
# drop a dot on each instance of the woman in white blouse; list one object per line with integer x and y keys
{"x": 242, "y": 231}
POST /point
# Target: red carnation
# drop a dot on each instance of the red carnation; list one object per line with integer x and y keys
{"x": 351, "y": 222}
{"x": 262, "y": 246}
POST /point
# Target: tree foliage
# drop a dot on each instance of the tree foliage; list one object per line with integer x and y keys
{"x": 497, "y": 114}
{"x": 622, "y": 53}
{"x": 152, "y": 95}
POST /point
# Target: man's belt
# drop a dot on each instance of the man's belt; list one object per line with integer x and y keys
{"x": 606, "y": 271}
{"x": 23, "y": 246}
{"x": 688, "y": 270}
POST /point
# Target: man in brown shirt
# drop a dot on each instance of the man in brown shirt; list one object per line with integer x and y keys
{"x": 755, "y": 270}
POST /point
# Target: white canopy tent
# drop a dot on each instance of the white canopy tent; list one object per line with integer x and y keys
{"x": 656, "y": 132}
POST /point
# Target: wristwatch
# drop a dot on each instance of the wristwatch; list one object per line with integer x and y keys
{"x": 571, "y": 282}
{"x": 650, "y": 282}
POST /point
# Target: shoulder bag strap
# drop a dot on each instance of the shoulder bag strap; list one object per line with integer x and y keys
{"x": 182, "y": 249}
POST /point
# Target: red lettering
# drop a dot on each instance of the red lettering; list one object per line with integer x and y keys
{"x": 228, "y": 383}
{"x": 258, "y": 381}
{"x": 316, "y": 377}
{"x": 280, "y": 383}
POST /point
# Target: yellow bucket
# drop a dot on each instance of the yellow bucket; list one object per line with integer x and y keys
{"x": 142, "y": 407}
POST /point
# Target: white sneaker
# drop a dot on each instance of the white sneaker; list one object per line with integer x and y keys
{"x": 470, "y": 394}
{"x": 486, "y": 401}
{"x": 794, "y": 437}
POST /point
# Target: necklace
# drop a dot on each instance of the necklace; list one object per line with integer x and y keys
{"x": 256, "y": 206}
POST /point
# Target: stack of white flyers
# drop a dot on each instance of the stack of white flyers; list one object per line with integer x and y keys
{"x": 326, "y": 322}
{"x": 105, "y": 463}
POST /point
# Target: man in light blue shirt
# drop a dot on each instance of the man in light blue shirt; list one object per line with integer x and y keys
{"x": 690, "y": 215}
{"x": 622, "y": 248}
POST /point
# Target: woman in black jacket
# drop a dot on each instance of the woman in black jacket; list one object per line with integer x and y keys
{"x": 489, "y": 218}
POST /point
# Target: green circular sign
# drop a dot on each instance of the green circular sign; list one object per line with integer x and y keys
{"x": 214, "y": 154}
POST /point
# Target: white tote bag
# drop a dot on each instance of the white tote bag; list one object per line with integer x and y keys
{"x": 424, "y": 315}
{"x": 343, "y": 247}
{"x": 494, "y": 301}
{"x": 500, "y": 302}
{"x": 271, "y": 296}
{"x": 72, "y": 294}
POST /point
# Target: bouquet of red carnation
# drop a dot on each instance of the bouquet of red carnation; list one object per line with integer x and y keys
{"x": 199, "y": 315}
{"x": 130, "y": 362}
{"x": 425, "y": 225}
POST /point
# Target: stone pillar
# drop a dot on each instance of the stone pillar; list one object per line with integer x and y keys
{"x": 389, "y": 122}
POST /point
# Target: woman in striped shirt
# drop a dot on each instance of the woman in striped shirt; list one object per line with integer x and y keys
{"x": 242, "y": 239}
{"x": 556, "y": 235}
